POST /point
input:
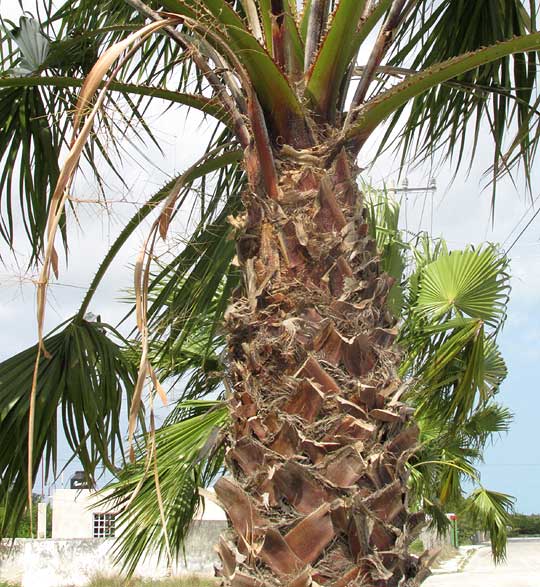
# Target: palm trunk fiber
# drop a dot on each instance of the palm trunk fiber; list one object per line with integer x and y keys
{"x": 320, "y": 440}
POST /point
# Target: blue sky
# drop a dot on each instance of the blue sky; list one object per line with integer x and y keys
{"x": 459, "y": 211}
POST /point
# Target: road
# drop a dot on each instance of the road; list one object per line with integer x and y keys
{"x": 522, "y": 568}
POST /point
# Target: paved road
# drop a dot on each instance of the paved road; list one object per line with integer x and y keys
{"x": 522, "y": 569}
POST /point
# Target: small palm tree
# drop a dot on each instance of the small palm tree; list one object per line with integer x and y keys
{"x": 320, "y": 437}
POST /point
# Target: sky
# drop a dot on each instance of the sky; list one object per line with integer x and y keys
{"x": 460, "y": 211}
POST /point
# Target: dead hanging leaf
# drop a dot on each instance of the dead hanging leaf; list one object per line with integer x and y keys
{"x": 61, "y": 194}
{"x": 168, "y": 207}
{"x": 98, "y": 72}
{"x": 158, "y": 387}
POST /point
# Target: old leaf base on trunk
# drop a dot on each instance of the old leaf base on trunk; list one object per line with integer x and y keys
{"x": 320, "y": 440}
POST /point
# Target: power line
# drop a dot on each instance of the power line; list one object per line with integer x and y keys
{"x": 524, "y": 229}
{"x": 520, "y": 221}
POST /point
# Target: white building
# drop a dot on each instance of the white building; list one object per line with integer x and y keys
{"x": 76, "y": 513}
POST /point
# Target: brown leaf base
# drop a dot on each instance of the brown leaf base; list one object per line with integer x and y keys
{"x": 320, "y": 440}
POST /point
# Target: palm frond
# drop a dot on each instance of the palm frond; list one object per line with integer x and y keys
{"x": 447, "y": 119}
{"x": 472, "y": 283}
{"x": 383, "y": 219}
{"x": 81, "y": 391}
{"x": 492, "y": 510}
{"x": 188, "y": 455}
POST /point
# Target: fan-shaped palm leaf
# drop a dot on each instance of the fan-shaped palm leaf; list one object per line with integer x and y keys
{"x": 83, "y": 387}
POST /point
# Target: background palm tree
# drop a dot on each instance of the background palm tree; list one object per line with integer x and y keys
{"x": 320, "y": 438}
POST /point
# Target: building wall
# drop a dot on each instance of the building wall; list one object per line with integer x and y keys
{"x": 74, "y": 562}
{"x": 72, "y": 513}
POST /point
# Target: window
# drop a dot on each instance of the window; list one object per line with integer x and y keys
{"x": 104, "y": 525}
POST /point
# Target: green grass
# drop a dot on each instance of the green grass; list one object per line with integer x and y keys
{"x": 417, "y": 547}
{"x": 194, "y": 581}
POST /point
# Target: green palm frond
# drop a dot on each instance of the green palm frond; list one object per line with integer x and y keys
{"x": 447, "y": 119}
{"x": 383, "y": 219}
{"x": 473, "y": 283}
{"x": 81, "y": 391}
{"x": 188, "y": 455}
{"x": 486, "y": 421}
{"x": 492, "y": 510}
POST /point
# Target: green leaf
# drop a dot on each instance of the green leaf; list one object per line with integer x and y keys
{"x": 447, "y": 120}
{"x": 334, "y": 58}
{"x": 196, "y": 101}
{"x": 383, "y": 219}
{"x": 33, "y": 45}
{"x": 82, "y": 387}
{"x": 492, "y": 509}
{"x": 377, "y": 110}
{"x": 189, "y": 455}
{"x": 474, "y": 283}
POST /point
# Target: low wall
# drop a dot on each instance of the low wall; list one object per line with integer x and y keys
{"x": 67, "y": 563}
{"x": 432, "y": 540}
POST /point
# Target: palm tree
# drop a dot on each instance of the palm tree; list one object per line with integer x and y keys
{"x": 456, "y": 413}
{"x": 320, "y": 437}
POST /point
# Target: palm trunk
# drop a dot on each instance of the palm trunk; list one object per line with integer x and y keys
{"x": 320, "y": 441}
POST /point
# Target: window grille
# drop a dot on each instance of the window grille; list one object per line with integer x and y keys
{"x": 104, "y": 525}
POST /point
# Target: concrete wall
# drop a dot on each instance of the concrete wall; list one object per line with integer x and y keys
{"x": 63, "y": 563}
{"x": 73, "y": 513}
{"x": 432, "y": 540}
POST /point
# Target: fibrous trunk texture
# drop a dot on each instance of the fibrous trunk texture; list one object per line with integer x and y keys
{"x": 320, "y": 440}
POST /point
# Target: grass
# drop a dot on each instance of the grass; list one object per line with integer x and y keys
{"x": 193, "y": 581}
{"x": 417, "y": 547}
